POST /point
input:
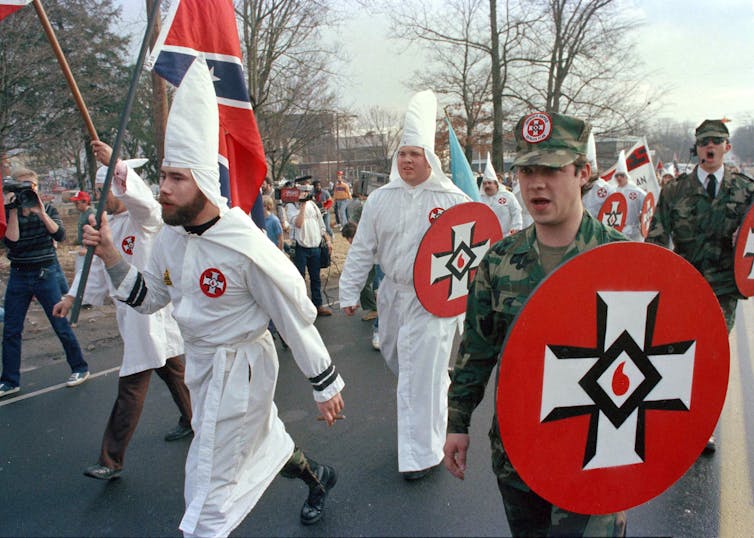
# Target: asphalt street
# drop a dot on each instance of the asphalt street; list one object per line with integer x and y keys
{"x": 50, "y": 433}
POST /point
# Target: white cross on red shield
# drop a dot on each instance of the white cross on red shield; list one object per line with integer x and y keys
{"x": 647, "y": 212}
{"x": 743, "y": 265}
{"x": 614, "y": 211}
{"x": 611, "y": 382}
{"x": 449, "y": 254}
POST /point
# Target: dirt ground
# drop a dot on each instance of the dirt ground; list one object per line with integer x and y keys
{"x": 97, "y": 327}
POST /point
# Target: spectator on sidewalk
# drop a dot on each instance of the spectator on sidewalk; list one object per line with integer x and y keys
{"x": 34, "y": 272}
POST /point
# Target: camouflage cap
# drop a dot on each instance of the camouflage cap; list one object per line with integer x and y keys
{"x": 711, "y": 128}
{"x": 550, "y": 139}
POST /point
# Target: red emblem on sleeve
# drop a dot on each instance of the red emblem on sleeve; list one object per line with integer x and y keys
{"x": 212, "y": 282}
{"x": 128, "y": 244}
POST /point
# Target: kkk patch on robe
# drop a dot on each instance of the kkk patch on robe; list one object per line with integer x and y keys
{"x": 434, "y": 213}
{"x": 212, "y": 282}
{"x": 128, "y": 245}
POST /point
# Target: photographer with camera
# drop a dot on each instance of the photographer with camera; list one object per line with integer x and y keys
{"x": 34, "y": 272}
{"x": 308, "y": 232}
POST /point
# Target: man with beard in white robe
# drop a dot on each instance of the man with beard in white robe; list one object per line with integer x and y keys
{"x": 416, "y": 344}
{"x": 502, "y": 202}
{"x": 150, "y": 343}
{"x": 226, "y": 280}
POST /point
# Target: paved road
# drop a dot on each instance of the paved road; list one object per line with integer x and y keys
{"x": 50, "y": 433}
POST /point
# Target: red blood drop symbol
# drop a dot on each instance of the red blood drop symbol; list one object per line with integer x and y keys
{"x": 461, "y": 262}
{"x": 620, "y": 380}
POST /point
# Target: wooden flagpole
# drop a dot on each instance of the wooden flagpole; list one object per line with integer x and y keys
{"x": 125, "y": 113}
{"x": 65, "y": 68}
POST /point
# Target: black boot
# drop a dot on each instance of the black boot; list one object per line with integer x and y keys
{"x": 320, "y": 479}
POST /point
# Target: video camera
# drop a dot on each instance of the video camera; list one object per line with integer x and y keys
{"x": 25, "y": 197}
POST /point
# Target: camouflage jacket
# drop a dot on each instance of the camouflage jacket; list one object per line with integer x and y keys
{"x": 702, "y": 229}
{"x": 505, "y": 278}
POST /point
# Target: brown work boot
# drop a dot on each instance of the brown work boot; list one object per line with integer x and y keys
{"x": 322, "y": 311}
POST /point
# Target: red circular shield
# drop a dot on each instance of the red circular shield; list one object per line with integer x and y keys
{"x": 448, "y": 255}
{"x": 743, "y": 265}
{"x": 647, "y": 212}
{"x": 611, "y": 382}
{"x": 614, "y": 211}
{"x": 212, "y": 282}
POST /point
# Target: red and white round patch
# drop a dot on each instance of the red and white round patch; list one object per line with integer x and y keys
{"x": 436, "y": 212}
{"x": 537, "y": 128}
{"x": 128, "y": 244}
{"x": 212, "y": 282}
{"x": 601, "y": 192}
{"x": 611, "y": 382}
{"x": 502, "y": 200}
{"x": 632, "y": 195}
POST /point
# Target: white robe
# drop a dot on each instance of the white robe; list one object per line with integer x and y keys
{"x": 526, "y": 219}
{"x": 148, "y": 340}
{"x": 635, "y": 200}
{"x": 506, "y": 209}
{"x": 596, "y": 196}
{"x": 240, "y": 444}
{"x": 416, "y": 344}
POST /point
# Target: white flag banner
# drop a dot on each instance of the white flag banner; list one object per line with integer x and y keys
{"x": 640, "y": 168}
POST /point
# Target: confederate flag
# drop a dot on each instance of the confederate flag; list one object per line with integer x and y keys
{"x": 209, "y": 26}
{"x": 9, "y": 6}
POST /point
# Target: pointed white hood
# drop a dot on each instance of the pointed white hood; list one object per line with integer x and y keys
{"x": 620, "y": 166}
{"x": 419, "y": 130}
{"x": 591, "y": 152}
{"x": 193, "y": 130}
{"x": 489, "y": 175}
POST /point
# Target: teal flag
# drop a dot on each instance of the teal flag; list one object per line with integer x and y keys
{"x": 460, "y": 170}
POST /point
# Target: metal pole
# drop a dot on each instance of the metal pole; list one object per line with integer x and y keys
{"x": 114, "y": 157}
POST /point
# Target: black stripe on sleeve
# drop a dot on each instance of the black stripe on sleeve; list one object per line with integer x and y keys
{"x": 138, "y": 292}
{"x": 325, "y": 379}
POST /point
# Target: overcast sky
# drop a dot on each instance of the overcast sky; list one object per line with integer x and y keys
{"x": 701, "y": 51}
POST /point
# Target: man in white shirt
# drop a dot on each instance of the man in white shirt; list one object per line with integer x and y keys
{"x": 308, "y": 232}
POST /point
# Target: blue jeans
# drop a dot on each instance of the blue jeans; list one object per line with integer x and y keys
{"x": 44, "y": 284}
{"x": 308, "y": 258}
{"x": 340, "y": 211}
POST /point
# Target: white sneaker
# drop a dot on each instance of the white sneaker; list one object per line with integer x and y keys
{"x": 6, "y": 389}
{"x": 77, "y": 378}
{"x": 376, "y": 341}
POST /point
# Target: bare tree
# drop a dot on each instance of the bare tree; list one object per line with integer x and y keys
{"x": 37, "y": 111}
{"x": 585, "y": 65}
{"x": 475, "y": 49}
{"x": 288, "y": 73}
{"x": 384, "y": 129}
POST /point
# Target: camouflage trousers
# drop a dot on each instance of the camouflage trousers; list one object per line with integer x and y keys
{"x": 728, "y": 304}
{"x": 530, "y": 515}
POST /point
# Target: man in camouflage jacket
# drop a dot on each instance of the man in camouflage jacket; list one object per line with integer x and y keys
{"x": 702, "y": 226}
{"x": 552, "y": 169}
